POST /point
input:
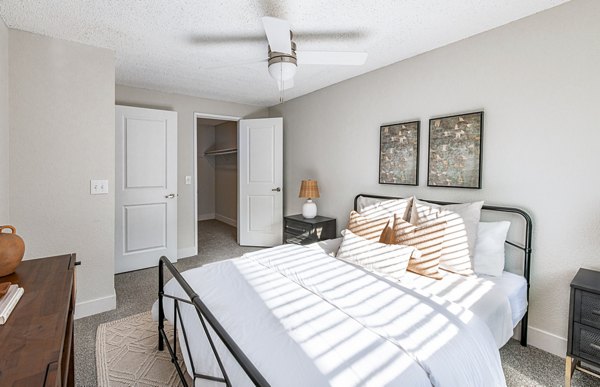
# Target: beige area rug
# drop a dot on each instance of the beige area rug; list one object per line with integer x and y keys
{"x": 127, "y": 354}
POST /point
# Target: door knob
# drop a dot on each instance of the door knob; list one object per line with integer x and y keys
{"x": 276, "y": 189}
{"x": 170, "y": 196}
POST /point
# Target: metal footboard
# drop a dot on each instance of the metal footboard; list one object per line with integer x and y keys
{"x": 205, "y": 317}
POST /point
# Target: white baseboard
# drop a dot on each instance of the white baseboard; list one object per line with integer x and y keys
{"x": 186, "y": 252}
{"x": 95, "y": 306}
{"x": 547, "y": 341}
{"x": 226, "y": 220}
{"x": 206, "y": 216}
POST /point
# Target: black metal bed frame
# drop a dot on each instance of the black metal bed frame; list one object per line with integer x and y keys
{"x": 205, "y": 317}
{"x": 208, "y": 319}
{"x": 526, "y": 249}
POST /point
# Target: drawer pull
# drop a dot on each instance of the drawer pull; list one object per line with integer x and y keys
{"x": 596, "y": 312}
{"x": 595, "y": 346}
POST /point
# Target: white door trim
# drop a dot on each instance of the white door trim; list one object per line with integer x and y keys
{"x": 195, "y": 168}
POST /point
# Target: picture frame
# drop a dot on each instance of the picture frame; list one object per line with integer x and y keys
{"x": 399, "y": 153}
{"x": 455, "y": 151}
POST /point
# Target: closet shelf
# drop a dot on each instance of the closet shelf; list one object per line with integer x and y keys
{"x": 218, "y": 152}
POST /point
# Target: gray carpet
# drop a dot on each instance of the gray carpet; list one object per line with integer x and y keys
{"x": 137, "y": 291}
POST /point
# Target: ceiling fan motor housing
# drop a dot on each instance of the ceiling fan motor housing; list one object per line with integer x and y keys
{"x": 283, "y": 66}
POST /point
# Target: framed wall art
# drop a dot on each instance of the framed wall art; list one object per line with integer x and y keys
{"x": 399, "y": 153}
{"x": 455, "y": 151}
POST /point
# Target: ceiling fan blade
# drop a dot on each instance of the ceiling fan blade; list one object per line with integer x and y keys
{"x": 278, "y": 34}
{"x": 334, "y": 35}
{"x": 343, "y": 58}
{"x": 284, "y": 85}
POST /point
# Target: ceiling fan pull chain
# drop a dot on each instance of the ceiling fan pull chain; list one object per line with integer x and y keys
{"x": 282, "y": 85}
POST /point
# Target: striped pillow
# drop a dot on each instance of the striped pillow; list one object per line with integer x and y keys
{"x": 462, "y": 221}
{"x": 428, "y": 238}
{"x": 379, "y": 229}
{"x": 386, "y": 259}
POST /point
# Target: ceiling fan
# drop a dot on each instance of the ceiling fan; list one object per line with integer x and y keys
{"x": 284, "y": 58}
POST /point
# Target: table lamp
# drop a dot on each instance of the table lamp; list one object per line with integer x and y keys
{"x": 310, "y": 190}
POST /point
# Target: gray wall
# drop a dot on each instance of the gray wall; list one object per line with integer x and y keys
{"x": 4, "y": 147}
{"x": 185, "y": 106}
{"x": 226, "y": 174}
{"x": 61, "y": 136}
{"x": 206, "y": 173}
{"x": 538, "y": 82}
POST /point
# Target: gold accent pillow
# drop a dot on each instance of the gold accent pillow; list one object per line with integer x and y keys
{"x": 372, "y": 228}
{"x": 428, "y": 238}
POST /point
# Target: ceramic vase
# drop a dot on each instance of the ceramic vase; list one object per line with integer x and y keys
{"x": 12, "y": 249}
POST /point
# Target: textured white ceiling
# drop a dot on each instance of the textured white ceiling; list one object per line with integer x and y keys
{"x": 175, "y": 45}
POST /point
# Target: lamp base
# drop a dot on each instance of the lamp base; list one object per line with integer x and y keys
{"x": 309, "y": 209}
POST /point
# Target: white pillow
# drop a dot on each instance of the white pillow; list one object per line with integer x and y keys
{"x": 489, "y": 249}
{"x": 462, "y": 221}
{"x": 391, "y": 260}
{"x": 384, "y": 208}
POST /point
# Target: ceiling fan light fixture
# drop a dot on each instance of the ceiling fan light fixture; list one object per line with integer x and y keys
{"x": 282, "y": 71}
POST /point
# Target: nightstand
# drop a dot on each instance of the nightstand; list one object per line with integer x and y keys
{"x": 301, "y": 231}
{"x": 584, "y": 324}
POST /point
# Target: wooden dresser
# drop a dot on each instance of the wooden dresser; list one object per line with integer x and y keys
{"x": 36, "y": 343}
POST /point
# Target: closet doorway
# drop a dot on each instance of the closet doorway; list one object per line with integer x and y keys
{"x": 216, "y": 175}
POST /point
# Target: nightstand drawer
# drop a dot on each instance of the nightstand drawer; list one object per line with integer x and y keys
{"x": 587, "y": 308}
{"x": 586, "y": 342}
{"x": 300, "y": 239}
{"x": 294, "y": 227}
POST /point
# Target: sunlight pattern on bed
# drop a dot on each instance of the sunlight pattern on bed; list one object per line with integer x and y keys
{"x": 439, "y": 334}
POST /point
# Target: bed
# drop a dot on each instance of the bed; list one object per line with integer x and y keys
{"x": 295, "y": 315}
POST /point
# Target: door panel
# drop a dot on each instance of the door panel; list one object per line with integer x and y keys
{"x": 260, "y": 158}
{"x": 146, "y": 176}
{"x": 261, "y": 213}
{"x": 261, "y": 150}
{"x": 145, "y": 153}
{"x": 145, "y": 227}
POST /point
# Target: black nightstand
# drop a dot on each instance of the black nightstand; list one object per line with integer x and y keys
{"x": 584, "y": 324}
{"x": 301, "y": 231}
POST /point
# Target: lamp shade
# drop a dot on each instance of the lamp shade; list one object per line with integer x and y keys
{"x": 309, "y": 189}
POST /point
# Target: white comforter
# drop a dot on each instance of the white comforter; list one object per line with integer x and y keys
{"x": 486, "y": 297}
{"x": 305, "y": 318}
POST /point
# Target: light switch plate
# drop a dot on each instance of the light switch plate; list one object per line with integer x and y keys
{"x": 98, "y": 187}
{"x": 188, "y": 180}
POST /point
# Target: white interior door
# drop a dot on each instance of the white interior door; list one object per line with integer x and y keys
{"x": 146, "y": 187}
{"x": 260, "y": 159}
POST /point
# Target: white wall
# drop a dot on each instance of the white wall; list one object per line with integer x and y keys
{"x": 61, "y": 136}
{"x": 226, "y": 174}
{"x": 537, "y": 80}
{"x": 185, "y": 106}
{"x": 206, "y": 173}
{"x": 4, "y": 132}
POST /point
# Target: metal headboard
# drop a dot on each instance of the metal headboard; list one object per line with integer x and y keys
{"x": 526, "y": 248}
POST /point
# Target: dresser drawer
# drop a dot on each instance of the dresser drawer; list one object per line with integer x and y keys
{"x": 587, "y": 308}
{"x": 586, "y": 342}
